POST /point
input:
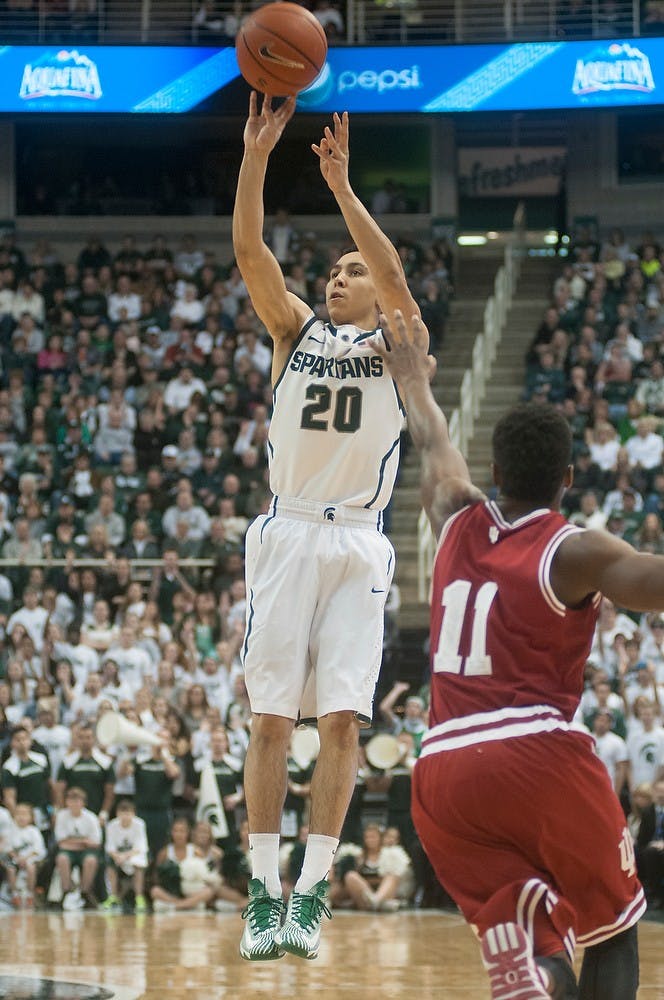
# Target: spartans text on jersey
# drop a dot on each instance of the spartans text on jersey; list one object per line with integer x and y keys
{"x": 319, "y": 366}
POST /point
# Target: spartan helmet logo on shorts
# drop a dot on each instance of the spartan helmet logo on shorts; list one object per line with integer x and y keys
{"x": 328, "y": 513}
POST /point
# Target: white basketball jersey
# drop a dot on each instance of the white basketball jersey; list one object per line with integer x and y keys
{"x": 334, "y": 433}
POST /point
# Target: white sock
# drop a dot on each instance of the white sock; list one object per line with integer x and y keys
{"x": 318, "y": 858}
{"x": 264, "y": 852}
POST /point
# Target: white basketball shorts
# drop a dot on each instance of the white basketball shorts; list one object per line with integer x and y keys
{"x": 317, "y": 582}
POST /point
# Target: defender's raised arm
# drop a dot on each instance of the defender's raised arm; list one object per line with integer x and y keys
{"x": 445, "y": 479}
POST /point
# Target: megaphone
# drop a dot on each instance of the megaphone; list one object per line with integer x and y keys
{"x": 114, "y": 728}
{"x": 384, "y": 751}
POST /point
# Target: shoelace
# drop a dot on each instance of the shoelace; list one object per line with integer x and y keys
{"x": 308, "y": 910}
{"x": 263, "y": 912}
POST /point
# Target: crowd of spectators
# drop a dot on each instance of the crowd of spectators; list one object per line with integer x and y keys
{"x": 134, "y": 412}
{"x": 598, "y": 355}
{"x": 135, "y": 404}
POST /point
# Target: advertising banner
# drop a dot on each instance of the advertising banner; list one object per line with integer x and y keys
{"x": 455, "y": 78}
{"x": 99, "y": 78}
{"x": 507, "y": 172}
{"x": 520, "y": 77}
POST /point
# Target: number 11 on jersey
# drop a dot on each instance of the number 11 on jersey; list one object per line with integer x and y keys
{"x": 447, "y": 658}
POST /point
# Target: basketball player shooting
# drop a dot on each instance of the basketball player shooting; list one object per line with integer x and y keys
{"x": 318, "y": 564}
{"x": 513, "y": 807}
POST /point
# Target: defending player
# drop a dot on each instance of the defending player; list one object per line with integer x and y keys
{"x": 514, "y": 809}
{"x": 318, "y": 565}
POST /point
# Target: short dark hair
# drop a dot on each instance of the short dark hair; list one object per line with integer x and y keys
{"x": 532, "y": 447}
{"x": 349, "y": 248}
{"x": 76, "y": 793}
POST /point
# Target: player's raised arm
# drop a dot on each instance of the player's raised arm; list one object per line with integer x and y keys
{"x": 445, "y": 480}
{"x": 591, "y": 561}
{"x": 376, "y": 249}
{"x": 281, "y": 311}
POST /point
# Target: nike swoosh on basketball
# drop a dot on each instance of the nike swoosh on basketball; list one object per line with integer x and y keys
{"x": 279, "y": 60}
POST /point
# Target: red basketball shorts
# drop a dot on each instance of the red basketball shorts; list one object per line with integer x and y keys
{"x": 529, "y": 830}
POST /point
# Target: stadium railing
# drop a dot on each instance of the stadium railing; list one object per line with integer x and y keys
{"x": 396, "y": 22}
{"x": 426, "y": 22}
{"x": 473, "y": 384}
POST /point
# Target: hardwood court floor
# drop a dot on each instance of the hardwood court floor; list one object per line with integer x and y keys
{"x": 420, "y": 955}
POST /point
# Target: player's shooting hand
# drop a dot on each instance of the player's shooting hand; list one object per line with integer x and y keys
{"x": 332, "y": 153}
{"x": 405, "y": 348}
{"x": 263, "y": 131}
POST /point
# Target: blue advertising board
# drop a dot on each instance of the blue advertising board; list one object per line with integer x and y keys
{"x": 116, "y": 79}
{"x": 520, "y": 77}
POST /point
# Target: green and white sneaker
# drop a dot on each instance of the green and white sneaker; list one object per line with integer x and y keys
{"x": 263, "y": 914}
{"x": 300, "y": 934}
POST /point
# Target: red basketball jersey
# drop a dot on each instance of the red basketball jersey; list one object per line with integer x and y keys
{"x": 500, "y": 638}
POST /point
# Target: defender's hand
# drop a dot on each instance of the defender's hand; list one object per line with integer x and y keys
{"x": 405, "y": 349}
{"x": 263, "y": 131}
{"x": 332, "y": 153}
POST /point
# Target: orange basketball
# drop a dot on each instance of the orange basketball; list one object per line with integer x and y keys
{"x": 280, "y": 49}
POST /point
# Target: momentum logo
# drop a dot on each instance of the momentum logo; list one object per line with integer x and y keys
{"x": 63, "y": 74}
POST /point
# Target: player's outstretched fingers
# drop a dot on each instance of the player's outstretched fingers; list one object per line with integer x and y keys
{"x": 332, "y": 141}
{"x": 285, "y": 111}
{"x": 266, "y": 109}
{"x": 381, "y": 345}
{"x": 401, "y": 328}
{"x": 253, "y": 104}
{"x": 395, "y": 328}
{"x": 341, "y": 130}
{"x": 289, "y": 105}
{"x": 322, "y": 150}
{"x": 420, "y": 331}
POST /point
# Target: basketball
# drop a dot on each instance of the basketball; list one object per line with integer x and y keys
{"x": 281, "y": 49}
